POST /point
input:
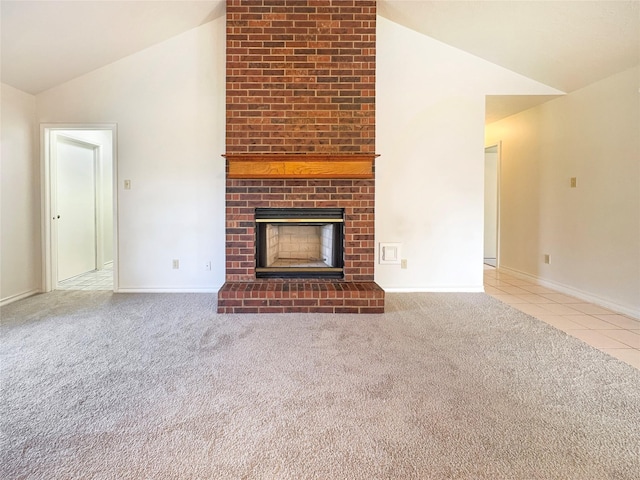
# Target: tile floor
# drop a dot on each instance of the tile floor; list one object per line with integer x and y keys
{"x": 613, "y": 333}
{"x": 95, "y": 280}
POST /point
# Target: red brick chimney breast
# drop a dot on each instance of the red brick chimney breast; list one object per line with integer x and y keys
{"x": 300, "y": 76}
{"x": 300, "y": 133}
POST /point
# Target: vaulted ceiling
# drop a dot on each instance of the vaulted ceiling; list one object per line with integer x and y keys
{"x": 564, "y": 44}
{"x": 46, "y": 43}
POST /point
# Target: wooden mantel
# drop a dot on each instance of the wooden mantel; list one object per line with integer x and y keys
{"x": 299, "y": 165}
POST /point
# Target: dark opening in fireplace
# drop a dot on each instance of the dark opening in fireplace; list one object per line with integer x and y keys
{"x": 299, "y": 242}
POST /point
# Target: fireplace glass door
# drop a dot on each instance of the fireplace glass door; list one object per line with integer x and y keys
{"x": 299, "y": 242}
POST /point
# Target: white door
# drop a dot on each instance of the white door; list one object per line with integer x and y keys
{"x": 491, "y": 205}
{"x": 75, "y": 208}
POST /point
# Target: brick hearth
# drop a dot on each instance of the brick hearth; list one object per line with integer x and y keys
{"x": 300, "y": 134}
{"x": 312, "y": 296}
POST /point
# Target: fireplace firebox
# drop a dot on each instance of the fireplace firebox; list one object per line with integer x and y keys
{"x": 299, "y": 243}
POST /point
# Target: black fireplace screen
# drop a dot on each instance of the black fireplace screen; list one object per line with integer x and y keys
{"x": 299, "y": 242}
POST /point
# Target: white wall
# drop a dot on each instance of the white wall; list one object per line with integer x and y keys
{"x": 592, "y": 232}
{"x": 168, "y": 103}
{"x": 430, "y": 104}
{"x": 20, "y": 253}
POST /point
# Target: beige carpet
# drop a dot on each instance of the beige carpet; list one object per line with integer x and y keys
{"x": 159, "y": 386}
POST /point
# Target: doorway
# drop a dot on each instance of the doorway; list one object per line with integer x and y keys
{"x": 79, "y": 205}
{"x": 491, "y": 205}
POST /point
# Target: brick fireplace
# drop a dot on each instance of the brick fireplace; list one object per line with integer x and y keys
{"x": 300, "y": 125}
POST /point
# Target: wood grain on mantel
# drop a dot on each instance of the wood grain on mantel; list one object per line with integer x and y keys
{"x": 291, "y": 165}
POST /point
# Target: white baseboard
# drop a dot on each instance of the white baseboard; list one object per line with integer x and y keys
{"x": 19, "y": 296}
{"x": 574, "y": 292}
{"x": 466, "y": 289}
{"x": 167, "y": 290}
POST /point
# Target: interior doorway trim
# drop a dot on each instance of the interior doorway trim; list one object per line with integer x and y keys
{"x": 46, "y": 132}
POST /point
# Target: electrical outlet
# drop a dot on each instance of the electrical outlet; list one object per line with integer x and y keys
{"x": 207, "y": 266}
{"x": 547, "y": 258}
{"x": 574, "y": 182}
{"x": 403, "y": 263}
{"x": 176, "y": 264}
{"x": 127, "y": 184}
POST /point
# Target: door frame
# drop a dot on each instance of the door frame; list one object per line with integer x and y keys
{"x": 49, "y": 261}
{"x": 98, "y": 257}
{"x": 498, "y": 147}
